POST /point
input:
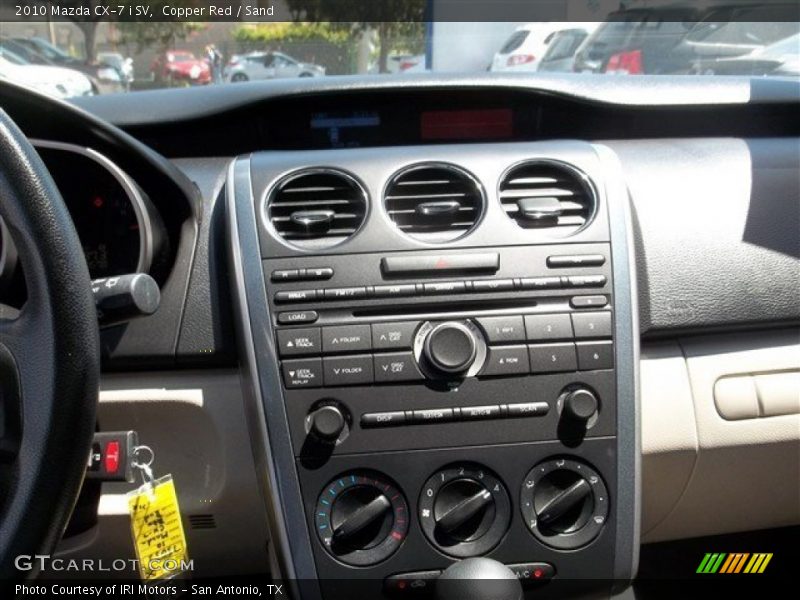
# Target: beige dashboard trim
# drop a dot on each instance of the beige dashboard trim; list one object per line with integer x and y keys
{"x": 704, "y": 474}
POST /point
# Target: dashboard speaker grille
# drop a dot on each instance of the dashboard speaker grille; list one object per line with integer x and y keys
{"x": 433, "y": 202}
{"x": 317, "y": 208}
{"x": 545, "y": 195}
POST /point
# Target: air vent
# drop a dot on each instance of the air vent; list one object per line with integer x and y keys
{"x": 317, "y": 208}
{"x": 202, "y": 521}
{"x": 433, "y": 202}
{"x": 547, "y": 195}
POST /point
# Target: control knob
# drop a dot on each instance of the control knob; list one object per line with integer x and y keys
{"x": 450, "y": 349}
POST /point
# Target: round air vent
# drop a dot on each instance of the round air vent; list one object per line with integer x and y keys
{"x": 434, "y": 202}
{"x": 546, "y": 195}
{"x": 317, "y": 208}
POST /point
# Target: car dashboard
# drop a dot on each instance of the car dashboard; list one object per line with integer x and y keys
{"x": 412, "y": 321}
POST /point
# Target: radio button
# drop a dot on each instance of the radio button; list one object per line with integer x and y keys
{"x": 297, "y": 316}
{"x": 305, "y": 372}
{"x": 401, "y": 290}
{"x": 586, "y": 280}
{"x": 393, "y": 336}
{"x": 394, "y": 367}
{"x": 588, "y": 301}
{"x": 285, "y": 275}
{"x": 595, "y": 355}
{"x": 316, "y": 273}
{"x": 347, "y": 293}
{"x": 576, "y": 260}
{"x": 347, "y": 370}
{"x": 540, "y": 283}
{"x": 297, "y": 342}
{"x": 492, "y": 285}
{"x": 383, "y": 419}
{"x": 470, "y": 413}
{"x": 445, "y": 287}
{"x": 592, "y": 324}
{"x": 290, "y": 296}
{"x": 507, "y": 360}
{"x": 501, "y": 330}
{"x": 347, "y": 338}
{"x": 553, "y": 358}
{"x": 548, "y": 327}
{"x": 431, "y": 415}
{"x": 527, "y": 409}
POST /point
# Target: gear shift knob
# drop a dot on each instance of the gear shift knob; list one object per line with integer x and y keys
{"x": 478, "y": 579}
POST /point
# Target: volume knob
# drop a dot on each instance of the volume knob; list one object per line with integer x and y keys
{"x": 327, "y": 423}
{"x": 450, "y": 348}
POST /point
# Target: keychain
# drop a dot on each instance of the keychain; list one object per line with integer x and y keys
{"x": 156, "y": 525}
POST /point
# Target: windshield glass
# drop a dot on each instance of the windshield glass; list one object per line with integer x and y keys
{"x": 180, "y": 44}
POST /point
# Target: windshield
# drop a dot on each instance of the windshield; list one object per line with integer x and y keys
{"x": 180, "y": 44}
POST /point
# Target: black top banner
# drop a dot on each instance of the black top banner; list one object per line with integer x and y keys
{"x": 376, "y": 11}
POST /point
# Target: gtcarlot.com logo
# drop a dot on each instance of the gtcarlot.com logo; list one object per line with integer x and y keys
{"x": 737, "y": 562}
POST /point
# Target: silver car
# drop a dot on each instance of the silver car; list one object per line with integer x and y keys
{"x": 268, "y": 65}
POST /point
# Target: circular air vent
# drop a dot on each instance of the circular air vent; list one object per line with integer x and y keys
{"x": 317, "y": 208}
{"x": 547, "y": 195}
{"x": 434, "y": 202}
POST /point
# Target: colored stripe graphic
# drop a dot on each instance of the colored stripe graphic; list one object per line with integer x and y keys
{"x": 711, "y": 562}
{"x": 735, "y": 562}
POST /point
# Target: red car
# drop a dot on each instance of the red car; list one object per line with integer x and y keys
{"x": 180, "y": 66}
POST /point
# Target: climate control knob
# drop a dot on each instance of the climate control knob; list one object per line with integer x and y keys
{"x": 464, "y": 510}
{"x": 361, "y": 518}
{"x": 564, "y": 503}
{"x": 450, "y": 349}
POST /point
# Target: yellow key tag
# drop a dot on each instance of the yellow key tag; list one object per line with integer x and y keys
{"x": 157, "y": 530}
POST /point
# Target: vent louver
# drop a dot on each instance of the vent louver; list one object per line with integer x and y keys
{"x": 202, "y": 521}
{"x": 547, "y": 195}
{"x": 433, "y": 202}
{"x": 317, "y": 208}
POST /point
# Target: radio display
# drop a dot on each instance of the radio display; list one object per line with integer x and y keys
{"x": 480, "y": 124}
{"x": 345, "y": 129}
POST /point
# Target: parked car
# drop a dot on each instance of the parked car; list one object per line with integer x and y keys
{"x": 180, "y": 67}
{"x": 268, "y": 65}
{"x": 560, "y": 55}
{"x": 120, "y": 63}
{"x": 105, "y": 77}
{"x": 780, "y": 58}
{"x": 24, "y": 51}
{"x": 642, "y": 40}
{"x": 669, "y": 40}
{"x": 401, "y": 63}
{"x": 524, "y": 49}
{"x": 54, "y": 81}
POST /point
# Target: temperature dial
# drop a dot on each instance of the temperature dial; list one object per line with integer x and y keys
{"x": 361, "y": 518}
{"x": 464, "y": 510}
{"x": 564, "y": 503}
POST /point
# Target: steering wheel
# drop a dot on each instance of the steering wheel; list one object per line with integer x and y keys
{"x": 49, "y": 360}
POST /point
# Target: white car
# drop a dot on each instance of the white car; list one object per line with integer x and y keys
{"x": 54, "y": 81}
{"x": 525, "y": 48}
{"x": 268, "y": 65}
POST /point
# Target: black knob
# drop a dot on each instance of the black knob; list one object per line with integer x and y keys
{"x": 564, "y": 503}
{"x": 359, "y": 517}
{"x": 580, "y": 405}
{"x": 463, "y": 510}
{"x": 478, "y": 579}
{"x": 450, "y": 348}
{"x": 327, "y": 423}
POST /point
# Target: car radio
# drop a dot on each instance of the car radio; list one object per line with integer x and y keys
{"x": 426, "y": 400}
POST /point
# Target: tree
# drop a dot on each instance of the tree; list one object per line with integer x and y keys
{"x": 392, "y": 19}
{"x": 162, "y": 34}
{"x": 87, "y": 24}
{"x": 143, "y": 33}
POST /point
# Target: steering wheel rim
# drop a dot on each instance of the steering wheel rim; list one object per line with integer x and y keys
{"x": 49, "y": 360}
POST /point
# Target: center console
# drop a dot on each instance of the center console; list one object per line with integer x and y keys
{"x": 441, "y": 344}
